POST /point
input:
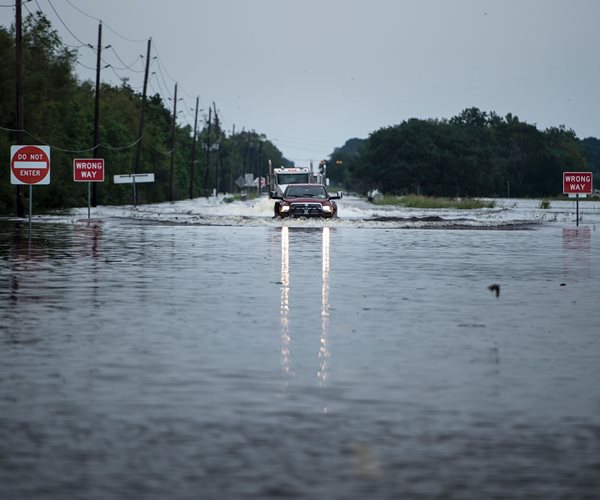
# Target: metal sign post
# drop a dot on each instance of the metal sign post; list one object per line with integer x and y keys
{"x": 30, "y": 209}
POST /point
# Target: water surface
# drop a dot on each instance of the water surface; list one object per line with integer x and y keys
{"x": 254, "y": 360}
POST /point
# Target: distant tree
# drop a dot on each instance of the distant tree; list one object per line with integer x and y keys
{"x": 473, "y": 154}
{"x": 341, "y": 161}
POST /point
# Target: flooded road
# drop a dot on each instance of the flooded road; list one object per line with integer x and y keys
{"x": 261, "y": 359}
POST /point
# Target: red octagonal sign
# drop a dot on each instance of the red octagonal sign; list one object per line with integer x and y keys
{"x": 30, "y": 165}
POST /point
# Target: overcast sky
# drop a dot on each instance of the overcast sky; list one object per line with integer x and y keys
{"x": 311, "y": 74}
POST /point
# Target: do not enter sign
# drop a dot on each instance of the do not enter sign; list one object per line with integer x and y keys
{"x": 30, "y": 165}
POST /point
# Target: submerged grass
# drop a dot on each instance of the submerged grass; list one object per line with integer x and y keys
{"x": 544, "y": 204}
{"x": 418, "y": 201}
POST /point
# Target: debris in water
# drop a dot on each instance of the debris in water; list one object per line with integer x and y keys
{"x": 495, "y": 288}
{"x": 364, "y": 462}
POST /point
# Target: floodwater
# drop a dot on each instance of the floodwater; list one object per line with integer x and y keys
{"x": 172, "y": 356}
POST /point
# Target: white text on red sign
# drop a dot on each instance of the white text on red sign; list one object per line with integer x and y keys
{"x": 577, "y": 182}
{"x": 88, "y": 170}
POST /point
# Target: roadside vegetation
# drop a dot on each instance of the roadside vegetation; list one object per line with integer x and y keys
{"x": 419, "y": 201}
{"x": 544, "y": 204}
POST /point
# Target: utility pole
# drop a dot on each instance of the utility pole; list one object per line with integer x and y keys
{"x": 138, "y": 152}
{"x": 173, "y": 124}
{"x": 20, "y": 99}
{"x": 207, "y": 167}
{"x": 258, "y": 186}
{"x": 192, "y": 166}
{"x": 245, "y": 162}
{"x": 219, "y": 164}
{"x": 221, "y": 179}
{"x": 94, "y": 200}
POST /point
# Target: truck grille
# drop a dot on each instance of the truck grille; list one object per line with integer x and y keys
{"x": 306, "y": 209}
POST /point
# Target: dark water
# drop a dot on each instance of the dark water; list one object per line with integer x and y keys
{"x": 168, "y": 362}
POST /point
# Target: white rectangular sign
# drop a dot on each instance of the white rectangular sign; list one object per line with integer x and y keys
{"x": 131, "y": 178}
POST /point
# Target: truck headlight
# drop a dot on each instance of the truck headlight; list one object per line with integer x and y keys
{"x": 326, "y": 208}
{"x": 284, "y": 208}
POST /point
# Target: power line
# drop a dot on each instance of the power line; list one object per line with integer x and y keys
{"x": 60, "y": 19}
{"x": 83, "y": 44}
{"x": 85, "y": 66}
{"x": 154, "y": 76}
{"x": 116, "y": 148}
{"x": 127, "y": 66}
{"x": 160, "y": 64}
{"x": 117, "y": 74}
{"x": 124, "y": 37}
{"x": 84, "y": 13}
{"x": 162, "y": 70}
{"x": 42, "y": 141}
{"x": 105, "y": 25}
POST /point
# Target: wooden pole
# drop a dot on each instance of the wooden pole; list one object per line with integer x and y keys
{"x": 138, "y": 151}
{"x": 192, "y": 165}
{"x": 207, "y": 166}
{"x": 20, "y": 98}
{"x": 173, "y": 126}
{"x": 94, "y": 200}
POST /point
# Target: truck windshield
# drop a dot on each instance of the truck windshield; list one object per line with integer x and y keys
{"x": 315, "y": 191}
{"x": 301, "y": 178}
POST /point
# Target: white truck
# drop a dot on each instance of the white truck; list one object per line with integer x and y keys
{"x": 282, "y": 177}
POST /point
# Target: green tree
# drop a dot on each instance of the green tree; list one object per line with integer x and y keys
{"x": 473, "y": 154}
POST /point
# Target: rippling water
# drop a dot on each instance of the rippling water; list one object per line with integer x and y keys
{"x": 152, "y": 361}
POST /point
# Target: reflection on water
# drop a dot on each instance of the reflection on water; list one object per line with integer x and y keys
{"x": 324, "y": 353}
{"x": 324, "y": 349}
{"x": 576, "y": 244}
{"x": 86, "y": 238}
{"x": 285, "y": 302}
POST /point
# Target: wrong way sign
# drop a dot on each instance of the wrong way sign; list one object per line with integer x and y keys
{"x": 578, "y": 182}
{"x": 88, "y": 170}
{"x": 30, "y": 165}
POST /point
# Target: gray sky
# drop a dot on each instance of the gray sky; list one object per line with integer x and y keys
{"x": 311, "y": 74}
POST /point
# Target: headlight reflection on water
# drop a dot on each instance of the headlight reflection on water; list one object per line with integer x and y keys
{"x": 324, "y": 349}
{"x": 324, "y": 354}
{"x": 285, "y": 301}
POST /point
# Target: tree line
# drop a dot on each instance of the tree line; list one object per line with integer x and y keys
{"x": 475, "y": 153}
{"x": 59, "y": 111}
